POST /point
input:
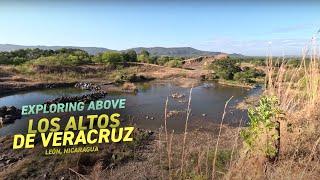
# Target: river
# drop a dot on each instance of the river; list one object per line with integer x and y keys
{"x": 145, "y": 108}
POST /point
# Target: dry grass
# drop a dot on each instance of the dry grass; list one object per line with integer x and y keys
{"x": 196, "y": 154}
{"x": 298, "y": 92}
{"x": 217, "y": 144}
{"x": 185, "y": 133}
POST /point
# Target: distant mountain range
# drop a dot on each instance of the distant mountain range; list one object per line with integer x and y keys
{"x": 175, "y": 51}
{"x": 159, "y": 51}
{"x": 90, "y": 50}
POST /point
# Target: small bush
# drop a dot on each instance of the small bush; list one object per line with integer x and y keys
{"x": 245, "y": 76}
{"x": 174, "y": 63}
{"x": 262, "y": 124}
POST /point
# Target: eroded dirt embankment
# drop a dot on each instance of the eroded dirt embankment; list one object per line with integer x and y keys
{"x": 12, "y": 80}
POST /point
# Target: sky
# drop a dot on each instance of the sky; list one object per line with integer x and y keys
{"x": 232, "y": 27}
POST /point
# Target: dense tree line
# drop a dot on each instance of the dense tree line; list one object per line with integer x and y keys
{"x": 276, "y": 61}
{"x": 24, "y": 55}
{"x": 67, "y": 56}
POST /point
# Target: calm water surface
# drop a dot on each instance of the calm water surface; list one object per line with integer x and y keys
{"x": 146, "y": 108}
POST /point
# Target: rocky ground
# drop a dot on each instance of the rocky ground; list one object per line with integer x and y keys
{"x": 9, "y": 114}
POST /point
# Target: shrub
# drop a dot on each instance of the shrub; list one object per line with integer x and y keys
{"x": 144, "y": 56}
{"x": 225, "y": 68}
{"x": 163, "y": 60}
{"x": 153, "y": 59}
{"x": 242, "y": 77}
{"x": 174, "y": 63}
{"x": 262, "y": 123}
{"x": 130, "y": 56}
{"x": 111, "y": 57}
{"x": 247, "y": 75}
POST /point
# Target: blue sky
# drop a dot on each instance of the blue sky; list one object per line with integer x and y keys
{"x": 239, "y": 28}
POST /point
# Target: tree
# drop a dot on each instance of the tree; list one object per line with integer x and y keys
{"x": 225, "y": 68}
{"x": 130, "y": 56}
{"x": 145, "y": 53}
{"x": 144, "y": 56}
{"x": 152, "y": 59}
{"x": 111, "y": 57}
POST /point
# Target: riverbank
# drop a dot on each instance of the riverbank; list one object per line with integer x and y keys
{"x": 235, "y": 83}
{"x": 16, "y": 79}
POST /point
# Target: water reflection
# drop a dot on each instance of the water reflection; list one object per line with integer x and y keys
{"x": 146, "y": 108}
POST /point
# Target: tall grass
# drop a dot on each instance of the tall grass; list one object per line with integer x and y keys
{"x": 185, "y": 133}
{"x": 297, "y": 90}
{"x": 217, "y": 143}
{"x": 185, "y": 160}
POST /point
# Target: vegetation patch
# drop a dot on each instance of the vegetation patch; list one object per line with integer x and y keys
{"x": 231, "y": 70}
{"x": 261, "y": 135}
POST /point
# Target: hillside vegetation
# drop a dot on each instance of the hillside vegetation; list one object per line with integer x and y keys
{"x": 154, "y": 51}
